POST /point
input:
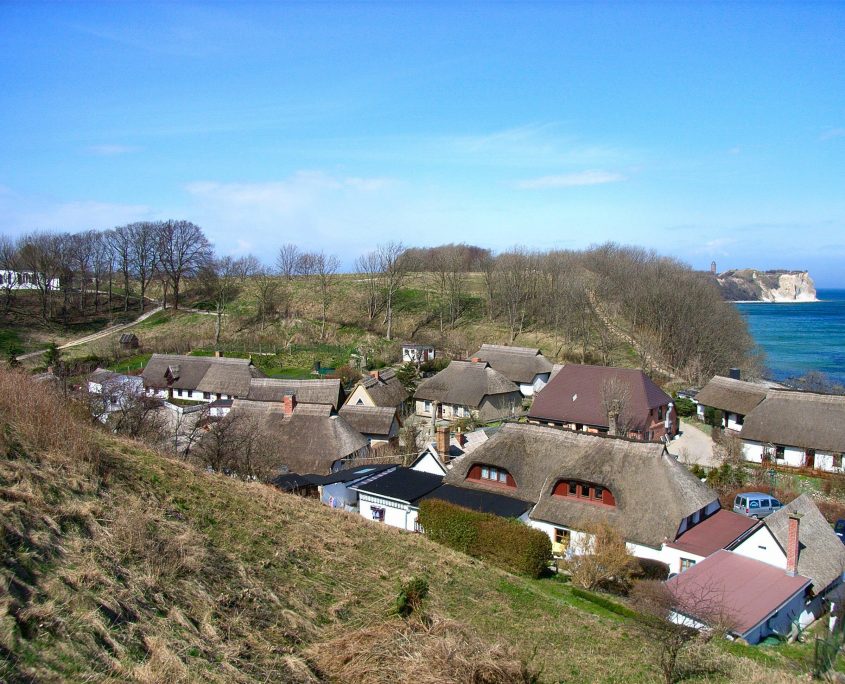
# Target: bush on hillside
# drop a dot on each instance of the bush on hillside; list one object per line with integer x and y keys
{"x": 685, "y": 407}
{"x": 506, "y": 543}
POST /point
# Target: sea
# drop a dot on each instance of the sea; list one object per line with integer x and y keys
{"x": 802, "y": 337}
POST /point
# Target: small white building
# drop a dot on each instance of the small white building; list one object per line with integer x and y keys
{"x": 118, "y": 392}
{"x": 27, "y": 280}
{"x": 733, "y": 397}
{"x": 198, "y": 378}
{"x": 417, "y": 353}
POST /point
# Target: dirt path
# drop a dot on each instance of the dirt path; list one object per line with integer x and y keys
{"x": 694, "y": 446}
{"x": 96, "y": 336}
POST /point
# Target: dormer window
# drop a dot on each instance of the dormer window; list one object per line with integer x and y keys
{"x": 490, "y": 475}
{"x": 588, "y": 492}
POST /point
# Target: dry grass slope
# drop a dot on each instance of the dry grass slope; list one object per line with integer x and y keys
{"x": 119, "y": 564}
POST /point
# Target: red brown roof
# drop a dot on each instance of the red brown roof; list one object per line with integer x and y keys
{"x": 713, "y": 533}
{"x": 574, "y": 395}
{"x": 741, "y": 590}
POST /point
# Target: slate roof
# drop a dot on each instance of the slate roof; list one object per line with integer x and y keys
{"x": 369, "y": 420}
{"x": 385, "y": 389}
{"x": 292, "y": 481}
{"x": 200, "y": 373}
{"x": 352, "y": 474}
{"x": 466, "y": 384}
{"x": 403, "y": 484}
{"x": 743, "y": 590}
{"x": 800, "y": 419}
{"x": 309, "y": 441}
{"x": 734, "y": 396}
{"x": 653, "y": 492}
{"x": 821, "y": 554}
{"x": 713, "y": 533}
{"x": 484, "y": 502}
{"x": 574, "y": 395}
{"x": 517, "y": 364}
{"x": 323, "y": 391}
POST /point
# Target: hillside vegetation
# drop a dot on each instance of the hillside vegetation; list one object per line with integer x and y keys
{"x": 608, "y": 305}
{"x": 118, "y": 564}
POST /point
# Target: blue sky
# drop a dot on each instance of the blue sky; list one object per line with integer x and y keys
{"x": 702, "y": 130}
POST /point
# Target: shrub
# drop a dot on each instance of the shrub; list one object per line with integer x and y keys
{"x": 685, "y": 407}
{"x": 410, "y": 597}
{"x": 713, "y": 416}
{"x": 698, "y": 471}
{"x": 601, "y": 558}
{"x": 506, "y": 543}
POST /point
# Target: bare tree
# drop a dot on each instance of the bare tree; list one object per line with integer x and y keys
{"x": 287, "y": 262}
{"x": 393, "y": 272}
{"x": 182, "y": 249}
{"x": 600, "y": 556}
{"x": 10, "y": 263}
{"x": 143, "y": 254}
{"x": 235, "y": 445}
{"x": 615, "y": 398}
{"x": 222, "y": 279}
{"x": 368, "y": 268}
{"x": 120, "y": 241}
{"x": 670, "y": 620}
{"x": 265, "y": 287}
{"x": 325, "y": 269}
{"x": 101, "y": 264}
{"x": 41, "y": 255}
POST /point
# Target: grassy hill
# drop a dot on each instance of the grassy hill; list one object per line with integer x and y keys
{"x": 119, "y": 564}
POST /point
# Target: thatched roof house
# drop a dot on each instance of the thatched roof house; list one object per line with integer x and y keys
{"x": 200, "y": 377}
{"x": 327, "y": 391}
{"x": 798, "y": 419}
{"x": 377, "y": 423}
{"x": 731, "y": 396}
{"x": 525, "y": 366}
{"x": 645, "y": 493}
{"x": 307, "y": 438}
{"x": 471, "y": 387}
{"x": 379, "y": 388}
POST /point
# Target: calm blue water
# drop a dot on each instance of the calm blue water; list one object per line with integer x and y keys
{"x": 798, "y": 338}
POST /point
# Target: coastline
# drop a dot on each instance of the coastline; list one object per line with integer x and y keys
{"x": 774, "y": 301}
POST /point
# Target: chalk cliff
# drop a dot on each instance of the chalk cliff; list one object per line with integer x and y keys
{"x": 766, "y": 286}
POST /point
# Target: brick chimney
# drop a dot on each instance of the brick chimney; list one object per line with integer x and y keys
{"x": 442, "y": 443}
{"x": 792, "y": 543}
{"x": 460, "y": 437}
{"x": 290, "y": 404}
{"x": 218, "y": 354}
{"x": 475, "y": 359}
{"x": 374, "y": 374}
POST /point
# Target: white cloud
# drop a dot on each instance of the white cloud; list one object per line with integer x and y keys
{"x": 112, "y": 150}
{"x": 569, "y": 180}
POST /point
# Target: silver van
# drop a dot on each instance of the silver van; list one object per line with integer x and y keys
{"x": 756, "y": 504}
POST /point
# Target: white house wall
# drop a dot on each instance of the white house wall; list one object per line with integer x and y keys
{"x": 792, "y": 456}
{"x": 762, "y": 546}
{"x": 396, "y": 514}
{"x": 360, "y": 397}
{"x": 429, "y": 464}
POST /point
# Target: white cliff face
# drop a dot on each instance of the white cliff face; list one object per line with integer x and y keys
{"x": 792, "y": 287}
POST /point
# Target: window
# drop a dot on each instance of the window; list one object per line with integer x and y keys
{"x": 837, "y": 460}
{"x": 585, "y": 491}
{"x": 178, "y": 393}
{"x": 494, "y": 474}
{"x": 754, "y": 503}
{"x": 485, "y": 472}
{"x": 597, "y": 492}
{"x": 764, "y": 503}
{"x": 780, "y": 452}
{"x": 562, "y": 537}
{"x": 686, "y": 563}
{"x": 378, "y": 513}
{"x": 573, "y": 488}
{"x": 427, "y": 406}
{"x": 503, "y": 476}
{"x": 206, "y": 395}
{"x": 737, "y": 501}
{"x": 660, "y": 413}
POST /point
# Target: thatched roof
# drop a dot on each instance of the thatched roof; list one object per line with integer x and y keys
{"x": 323, "y": 391}
{"x": 517, "y": 364}
{"x": 575, "y": 395}
{"x": 465, "y": 383}
{"x": 369, "y": 420}
{"x": 821, "y": 554}
{"x": 310, "y": 440}
{"x": 653, "y": 492}
{"x": 800, "y": 419}
{"x": 384, "y": 388}
{"x": 200, "y": 373}
{"x": 734, "y": 396}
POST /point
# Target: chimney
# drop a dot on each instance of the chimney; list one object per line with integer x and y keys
{"x": 475, "y": 359}
{"x": 735, "y": 374}
{"x": 792, "y": 544}
{"x": 442, "y": 444}
{"x": 290, "y": 404}
{"x": 374, "y": 374}
{"x": 218, "y": 354}
{"x": 460, "y": 437}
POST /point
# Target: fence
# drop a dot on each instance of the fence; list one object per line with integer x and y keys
{"x": 824, "y": 655}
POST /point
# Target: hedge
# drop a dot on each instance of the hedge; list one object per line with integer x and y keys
{"x": 503, "y": 542}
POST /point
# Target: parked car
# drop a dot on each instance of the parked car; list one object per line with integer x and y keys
{"x": 839, "y": 528}
{"x": 756, "y": 504}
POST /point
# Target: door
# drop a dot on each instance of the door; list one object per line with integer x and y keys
{"x": 810, "y": 458}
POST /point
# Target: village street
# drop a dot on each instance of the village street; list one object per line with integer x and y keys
{"x": 694, "y": 446}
